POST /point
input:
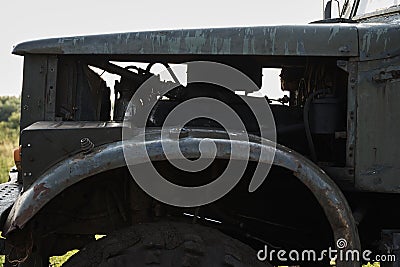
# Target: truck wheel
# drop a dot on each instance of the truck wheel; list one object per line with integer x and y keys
{"x": 166, "y": 244}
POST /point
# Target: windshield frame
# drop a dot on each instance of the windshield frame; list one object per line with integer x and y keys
{"x": 353, "y": 9}
{"x": 349, "y": 9}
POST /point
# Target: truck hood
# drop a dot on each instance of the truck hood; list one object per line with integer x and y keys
{"x": 343, "y": 40}
{"x": 296, "y": 40}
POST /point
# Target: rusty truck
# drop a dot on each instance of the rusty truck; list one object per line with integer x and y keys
{"x": 335, "y": 174}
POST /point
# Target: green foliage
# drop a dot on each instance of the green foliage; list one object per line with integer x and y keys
{"x": 13, "y": 120}
{"x": 57, "y": 261}
{"x": 8, "y": 105}
{"x": 9, "y": 133}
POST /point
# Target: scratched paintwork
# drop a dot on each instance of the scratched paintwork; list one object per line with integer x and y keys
{"x": 379, "y": 41}
{"x": 370, "y": 41}
{"x": 296, "y": 40}
{"x": 110, "y": 156}
{"x": 368, "y": 52}
{"x": 378, "y": 112}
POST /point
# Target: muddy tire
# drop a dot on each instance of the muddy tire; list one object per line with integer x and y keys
{"x": 166, "y": 244}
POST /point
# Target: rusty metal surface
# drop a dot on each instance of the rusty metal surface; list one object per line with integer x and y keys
{"x": 51, "y": 85}
{"x": 351, "y": 113}
{"x": 33, "y": 102}
{"x": 110, "y": 156}
{"x": 9, "y": 193}
{"x": 378, "y": 112}
{"x": 371, "y": 40}
{"x": 45, "y": 143}
{"x": 379, "y": 40}
{"x": 296, "y": 40}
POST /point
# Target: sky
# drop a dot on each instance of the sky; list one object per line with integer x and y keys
{"x": 29, "y": 20}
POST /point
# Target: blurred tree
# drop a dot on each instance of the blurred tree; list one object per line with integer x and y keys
{"x": 13, "y": 120}
{"x": 9, "y": 133}
{"x": 9, "y": 105}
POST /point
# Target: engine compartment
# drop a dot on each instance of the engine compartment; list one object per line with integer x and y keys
{"x": 310, "y": 117}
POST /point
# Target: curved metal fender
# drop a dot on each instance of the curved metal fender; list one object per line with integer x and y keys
{"x": 110, "y": 156}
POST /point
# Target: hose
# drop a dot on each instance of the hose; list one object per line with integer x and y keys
{"x": 306, "y": 113}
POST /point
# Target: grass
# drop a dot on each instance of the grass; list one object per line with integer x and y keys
{"x": 9, "y": 133}
{"x": 57, "y": 261}
{"x": 8, "y": 141}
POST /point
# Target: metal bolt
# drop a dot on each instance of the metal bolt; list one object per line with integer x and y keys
{"x": 344, "y": 49}
{"x": 86, "y": 145}
{"x": 342, "y": 63}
